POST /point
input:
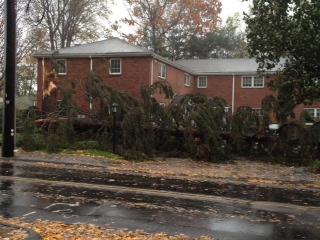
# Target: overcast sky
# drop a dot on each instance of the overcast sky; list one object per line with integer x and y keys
{"x": 229, "y": 7}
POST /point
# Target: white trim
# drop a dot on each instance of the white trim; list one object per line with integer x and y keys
{"x": 152, "y": 71}
{"x": 57, "y": 68}
{"x": 198, "y": 84}
{"x": 315, "y": 112}
{"x": 233, "y": 93}
{"x": 91, "y": 64}
{"x": 115, "y": 73}
{"x": 252, "y": 81}
{"x": 187, "y": 78}
{"x": 162, "y": 70}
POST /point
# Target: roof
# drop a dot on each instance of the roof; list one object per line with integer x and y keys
{"x": 111, "y": 46}
{"x": 221, "y": 66}
{"x": 115, "y": 47}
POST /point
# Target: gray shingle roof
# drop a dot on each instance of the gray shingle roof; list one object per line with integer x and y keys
{"x": 220, "y": 66}
{"x": 120, "y": 48}
{"x": 104, "y": 47}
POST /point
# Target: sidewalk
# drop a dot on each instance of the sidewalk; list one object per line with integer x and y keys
{"x": 239, "y": 170}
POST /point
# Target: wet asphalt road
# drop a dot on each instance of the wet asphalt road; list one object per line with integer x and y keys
{"x": 152, "y": 210}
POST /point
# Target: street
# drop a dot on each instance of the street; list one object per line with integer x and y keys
{"x": 152, "y": 210}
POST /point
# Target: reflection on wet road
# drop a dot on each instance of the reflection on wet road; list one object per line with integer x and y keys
{"x": 153, "y": 211}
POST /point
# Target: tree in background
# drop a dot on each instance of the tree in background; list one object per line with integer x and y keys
{"x": 286, "y": 34}
{"x": 51, "y": 24}
{"x": 68, "y": 21}
{"x": 227, "y": 41}
{"x": 167, "y": 26}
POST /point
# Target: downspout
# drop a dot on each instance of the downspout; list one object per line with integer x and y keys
{"x": 91, "y": 64}
{"x": 233, "y": 93}
{"x": 152, "y": 69}
{"x": 43, "y": 79}
{"x": 91, "y": 69}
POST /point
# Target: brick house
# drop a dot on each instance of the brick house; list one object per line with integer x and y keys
{"x": 126, "y": 66}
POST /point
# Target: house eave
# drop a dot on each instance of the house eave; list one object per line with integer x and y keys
{"x": 236, "y": 73}
{"x": 87, "y": 55}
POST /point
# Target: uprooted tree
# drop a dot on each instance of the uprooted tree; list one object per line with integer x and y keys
{"x": 192, "y": 125}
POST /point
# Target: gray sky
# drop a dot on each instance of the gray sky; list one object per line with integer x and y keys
{"x": 229, "y": 7}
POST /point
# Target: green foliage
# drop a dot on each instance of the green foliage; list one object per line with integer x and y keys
{"x": 65, "y": 131}
{"x": 103, "y": 96}
{"x": 93, "y": 153}
{"x": 316, "y": 165}
{"x": 281, "y": 106}
{"x": 133, "y": 155}
{"x": 167, "y": 26}
{"x": 306, "y": 117}
{"x": 285, "y": 35}
{"x": 54, "y": 143}
{"x": 104, "y": 141}
{"x": 31, "y": 138}
{"x": 226, "y": 41}
{"x": 86, "y": 145}
{"x": 245, "y": 121}
{"x": 202, "y": 119}
{"x": 138, "y": 134}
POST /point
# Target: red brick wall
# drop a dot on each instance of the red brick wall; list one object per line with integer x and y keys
{"x": 138, "y": 70}
{"x": 135, "y": 71}
{"x": 222, "y": 86}
{"x": 176, "y": 78}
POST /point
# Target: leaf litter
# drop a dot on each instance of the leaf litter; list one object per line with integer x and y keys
{"x": 54, "y": 230}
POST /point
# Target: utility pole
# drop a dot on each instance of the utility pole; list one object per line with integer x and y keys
{"x": 9, "y": 114}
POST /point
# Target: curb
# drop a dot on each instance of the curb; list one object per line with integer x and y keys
{"x": 32, "y": 235}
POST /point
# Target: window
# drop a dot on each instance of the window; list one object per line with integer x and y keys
{"x": 59, "y": 104}
{"x": 162, "y": 104}
{"x": 258, "y": 111}
{"x": 61, "y": 66}
{"x": 202, "y": 82}
{"x": 162, "y": 70}
{"x": 115, "y": 66}
{"x": 252, "y": 82}
{"x": 187, "y": 79}
{"x": 314, "y": 112}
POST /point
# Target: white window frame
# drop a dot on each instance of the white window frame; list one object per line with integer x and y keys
{"x": 115, "y": 70}
{"x": 252, "y": 82}
{"x": 162, "y": 70}
{"x": 59, "y": 103}
{"x": 61, "y": 66}
{"x": 187, "y": 79}
{"x": 202, "y": 85}
{"x": 314, "y": 112}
